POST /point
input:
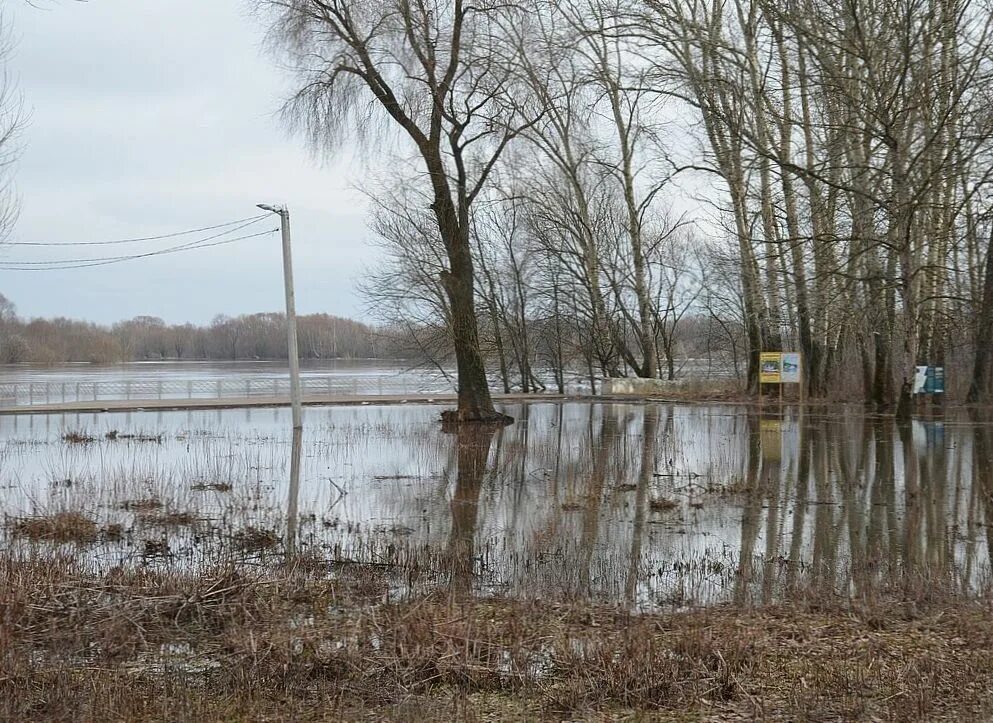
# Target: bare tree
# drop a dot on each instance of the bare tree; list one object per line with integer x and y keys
{"x": 441, "y": 72}
{"x": 11, "y": 121}
{"x": 405, "y": 290}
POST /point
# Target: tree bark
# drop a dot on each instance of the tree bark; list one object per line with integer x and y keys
{"x": 979, "y": 388}
{"x": 474, "y": 401}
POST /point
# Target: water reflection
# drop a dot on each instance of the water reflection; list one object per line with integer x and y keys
{"x": 647, "y": 466}
{"x": 473, "y": 443}
{"x": 660, "y": 505}
{"x": 643, "y": 505}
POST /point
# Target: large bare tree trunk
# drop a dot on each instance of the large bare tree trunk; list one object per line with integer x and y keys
{"x": 979, "y": 388}
{"x": 475, "y": 403}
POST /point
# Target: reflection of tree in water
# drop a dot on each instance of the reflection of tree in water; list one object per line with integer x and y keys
{"x": 982, "y": 466}
{"x": 560, "y": 506}
{"x": 858, "y": 528}
{"x": 605, "y": 445}
{"x": 473, "y": 444}
{"x": 750, "y": 523}
{"x": 649, "y": 445}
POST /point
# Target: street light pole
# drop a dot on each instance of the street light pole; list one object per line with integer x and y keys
{"x": 291, "y": 313}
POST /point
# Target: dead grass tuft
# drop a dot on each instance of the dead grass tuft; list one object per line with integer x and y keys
{"x": 255, "y": 539}
{"x": 115, "y": 436}
{"x": 61, "y": 527}
{"x": 170, "y": 519}
{"x": 142, "y": 506}
{"x": 662, "y": 504}
{"x": 211, "y": 487}
{"x": 76, "y": 437}
{"x": 155, "y": 548}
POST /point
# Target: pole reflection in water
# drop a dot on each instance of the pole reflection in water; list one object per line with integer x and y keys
{"x": 293, "y": 496}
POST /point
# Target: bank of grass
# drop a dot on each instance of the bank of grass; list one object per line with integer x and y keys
{"x": 304, "y": 642}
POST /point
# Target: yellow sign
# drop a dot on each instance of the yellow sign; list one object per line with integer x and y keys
{"x": 771, "y": 367}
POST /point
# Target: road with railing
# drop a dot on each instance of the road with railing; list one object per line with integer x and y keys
{"x": 35, "y": 393}
{"x": 164, "y": 385}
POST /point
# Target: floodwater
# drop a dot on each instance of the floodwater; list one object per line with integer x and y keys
{"x": 647, "y": 505}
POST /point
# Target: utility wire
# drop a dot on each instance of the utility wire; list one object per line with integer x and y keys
{"x": 120, "y": 259}
{"x": 137, "y": 240}
{"x": 188, "y": 244}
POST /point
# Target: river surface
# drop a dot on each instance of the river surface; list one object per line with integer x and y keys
{"x": 648, "y": 505}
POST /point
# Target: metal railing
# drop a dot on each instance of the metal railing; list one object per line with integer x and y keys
{"x": 55, "y": 392}
{"x": 31, "y": 392}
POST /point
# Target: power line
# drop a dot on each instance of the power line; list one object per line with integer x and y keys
{"x": 250, "y": 219}
{"x": 180, "y": 247}
{"x": 120, "y": 259}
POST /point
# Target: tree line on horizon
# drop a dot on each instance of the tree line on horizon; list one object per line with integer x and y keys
{"x": 262, "y": 336}
{"x": 259, "y": 336}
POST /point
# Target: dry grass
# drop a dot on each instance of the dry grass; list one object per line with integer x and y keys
{"x": 116, "y": 436}
{"x": 75, "y": 437}
{"x": 60, "y": 527}
{"x": 172, "y": 518}
{"x": 211, "y": 487}
{"x": 142, "y": 506}
{"x": 292, "y": 642}
{"x": 253, "y": 539}
{"x": 705, "y": 390}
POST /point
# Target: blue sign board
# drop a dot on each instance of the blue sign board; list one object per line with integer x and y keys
{"x": 929, "y": 380}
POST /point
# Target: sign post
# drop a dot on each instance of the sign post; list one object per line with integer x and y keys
{"x": 781, "y": 367}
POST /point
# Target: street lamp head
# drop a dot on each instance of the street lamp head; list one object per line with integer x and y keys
{"x": 267, "y": 207}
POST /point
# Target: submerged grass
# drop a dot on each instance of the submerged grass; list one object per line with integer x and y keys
{"x": 211, "y": 487}
{"x": 77, "y": 437}
{"x": 59, "y": 527}
{"x": 174, "y": 518}
{"x": 253, "y": 539}
{"x": 304, "y": 642}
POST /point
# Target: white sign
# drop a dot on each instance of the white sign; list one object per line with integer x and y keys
{"x": 791, "y": 367}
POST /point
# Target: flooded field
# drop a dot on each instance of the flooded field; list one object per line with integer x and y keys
{"x": 649, "y": 506}
{"x": 593, "y": 561}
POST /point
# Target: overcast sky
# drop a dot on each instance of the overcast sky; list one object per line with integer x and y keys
{"x": 148, "y": 118}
